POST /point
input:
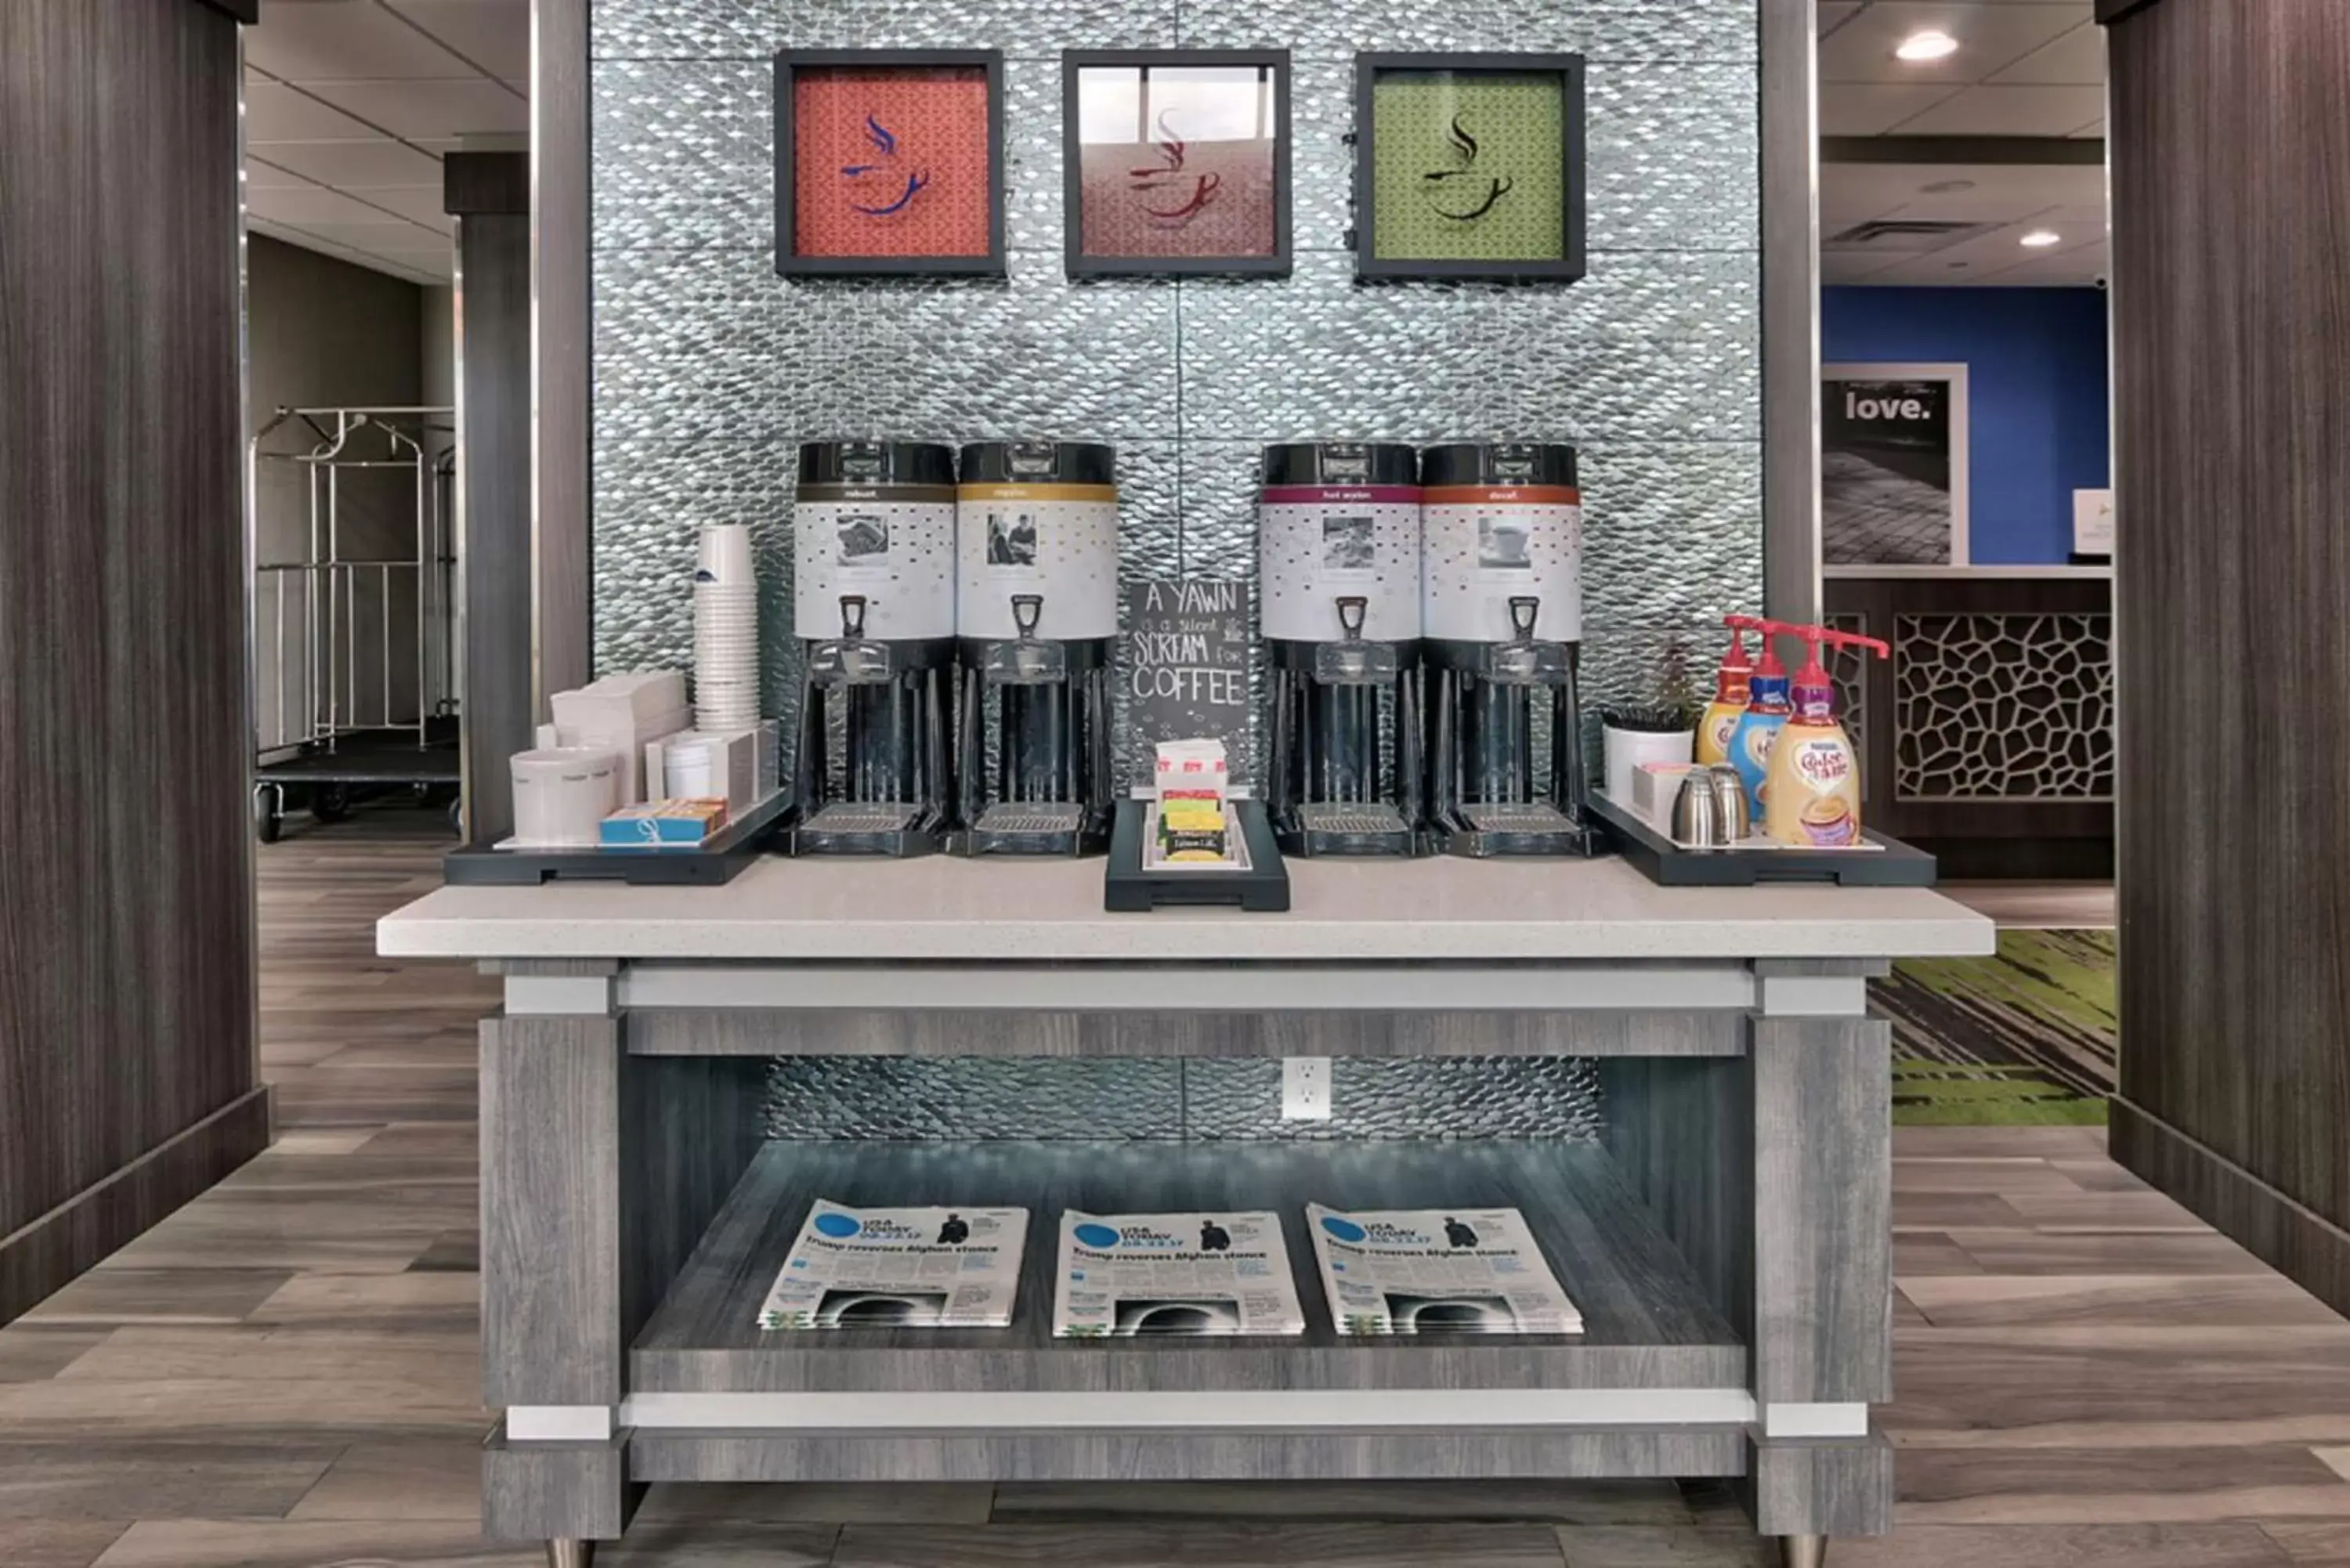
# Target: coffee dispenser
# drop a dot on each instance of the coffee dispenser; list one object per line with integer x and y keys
{"x": 1502, "y": 579}
{"x": 1338, "y": 547}
{"x": 873, "y": 538}
{"x": 1036, "y": 619}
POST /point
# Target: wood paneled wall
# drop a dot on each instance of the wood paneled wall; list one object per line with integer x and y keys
{"x": 128, "y": 1077}
{"x": 2231, "y": 334}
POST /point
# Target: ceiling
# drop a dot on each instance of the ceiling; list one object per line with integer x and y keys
{"x": 350, "y": 106}
{"x": 2027, "y": 68}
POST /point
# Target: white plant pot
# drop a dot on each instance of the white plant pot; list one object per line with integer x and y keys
{"x": 1628, "y": 751}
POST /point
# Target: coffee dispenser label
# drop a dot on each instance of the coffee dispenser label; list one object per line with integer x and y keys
{"x": 1183, "y": 668}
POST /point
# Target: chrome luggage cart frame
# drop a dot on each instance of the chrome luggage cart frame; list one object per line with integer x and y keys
{"x": 324, "y": 722}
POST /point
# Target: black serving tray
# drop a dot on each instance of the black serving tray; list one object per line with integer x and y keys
{"x": 1897, "y": 864}
{"x": 712, "y": 862}
{"x": 1130, "y": 889}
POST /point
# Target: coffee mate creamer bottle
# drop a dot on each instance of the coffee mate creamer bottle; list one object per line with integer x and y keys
{"x": 1811, "y": 795}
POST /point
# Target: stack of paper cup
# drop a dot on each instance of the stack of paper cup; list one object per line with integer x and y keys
{"x": 725, "y": 631}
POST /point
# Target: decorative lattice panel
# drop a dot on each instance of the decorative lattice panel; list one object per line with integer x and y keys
{"x": 2003, "y": 707}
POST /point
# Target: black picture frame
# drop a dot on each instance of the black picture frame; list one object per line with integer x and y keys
{"x": 788, "y": 262}
{"x": 1568, "y": 266}
{"x": 1076, "y": 261}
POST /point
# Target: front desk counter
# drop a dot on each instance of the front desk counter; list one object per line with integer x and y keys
{"x": 1728, "y": 1236}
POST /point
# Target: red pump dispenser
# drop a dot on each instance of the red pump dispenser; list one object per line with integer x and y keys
{"x": 1730, "y": 686}
{"x": 1815, "y": 693}
{"x": 1811, "y": 791}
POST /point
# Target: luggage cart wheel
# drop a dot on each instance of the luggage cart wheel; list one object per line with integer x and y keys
{"x": 268, "y": 812}
{"x": 330, "y": 802}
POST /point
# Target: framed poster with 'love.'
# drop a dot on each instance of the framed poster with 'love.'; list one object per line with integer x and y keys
{"x": 1469, "y": 166}
{"x": 1176, "y": 161}
{"x": 888, "y": 160}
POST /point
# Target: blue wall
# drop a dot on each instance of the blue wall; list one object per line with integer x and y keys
{"x": 2036, "y": 408}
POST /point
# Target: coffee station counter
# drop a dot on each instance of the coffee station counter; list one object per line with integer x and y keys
{"x": 944, "y": 909}
{"x": 1727, "y": 1234}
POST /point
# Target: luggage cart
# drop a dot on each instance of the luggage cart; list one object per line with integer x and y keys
{"x": 351, "y": 640}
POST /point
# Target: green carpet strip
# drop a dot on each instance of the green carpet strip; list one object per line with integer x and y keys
{"x": 2026, "y": 1037}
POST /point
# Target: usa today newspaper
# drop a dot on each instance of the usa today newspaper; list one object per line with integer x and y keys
{"x": 899, "y": 1268}
{"x": 1174, "y": 1274}
{"x": 1427, "y": 1271}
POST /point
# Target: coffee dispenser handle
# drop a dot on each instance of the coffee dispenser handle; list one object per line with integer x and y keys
{"x": 1524, "y": 610}
{"x": 852, "y": 615}
{"x": 1353, "y": 611}
{"x": 1028, "y": 612}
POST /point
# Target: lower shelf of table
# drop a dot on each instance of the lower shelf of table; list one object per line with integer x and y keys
{"x": 1649, "y": 1324}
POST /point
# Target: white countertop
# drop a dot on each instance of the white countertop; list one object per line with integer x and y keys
{"x": 947, "y": 909}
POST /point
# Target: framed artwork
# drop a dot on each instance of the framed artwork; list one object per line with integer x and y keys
{"x": 1893, "y": 467}
{"x": 1469, "y": 166}
{"x": 1175, "y": 161}
{"x": 888, "y": 160}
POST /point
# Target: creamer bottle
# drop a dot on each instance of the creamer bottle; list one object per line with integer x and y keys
{"x": 1732, "y": 685}
{"x": 1758, "y": 727}
{"x": 1812, "y": 796}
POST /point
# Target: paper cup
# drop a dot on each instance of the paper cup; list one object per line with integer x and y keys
{"x": 724, "y": 559}
{"x": 563, "y": 793}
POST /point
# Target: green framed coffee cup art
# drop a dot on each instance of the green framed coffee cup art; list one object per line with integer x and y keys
{"x": 1469, "y": 166}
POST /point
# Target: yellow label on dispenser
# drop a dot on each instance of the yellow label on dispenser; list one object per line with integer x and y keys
{"x": 1714, "y": 732}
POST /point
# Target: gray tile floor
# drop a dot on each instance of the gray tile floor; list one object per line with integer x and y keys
{"x": 285, "y": 1374}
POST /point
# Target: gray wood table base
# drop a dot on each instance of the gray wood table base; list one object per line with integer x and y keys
{"x": 1731, "y": 1232}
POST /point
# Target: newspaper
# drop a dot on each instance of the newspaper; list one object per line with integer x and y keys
{"x": 1473, "y": 1271}
{"x": 899, "y": 1268}
{"x": 1174, "y": 1274}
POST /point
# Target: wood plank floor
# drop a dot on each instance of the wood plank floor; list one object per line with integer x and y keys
{"x": 284, "y": 1375}
{"x": 2039, "y": 906}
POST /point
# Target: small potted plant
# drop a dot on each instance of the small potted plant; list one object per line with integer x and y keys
{"x": 1659, "y": 728}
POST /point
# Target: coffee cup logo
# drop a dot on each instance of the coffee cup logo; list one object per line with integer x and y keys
{"x": 1828, "y": 820}
{"x": 1466, "y": 192}
{"x": 1169, "y": 194}
{"x": 883, "y": 187}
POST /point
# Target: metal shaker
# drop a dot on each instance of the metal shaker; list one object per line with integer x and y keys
{"x": 1697, "y": 813}
{"x": 1729, "y": 803}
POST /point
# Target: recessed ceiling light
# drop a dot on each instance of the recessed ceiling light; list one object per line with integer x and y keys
{"x": 2040, "y": 239}
{"x": 1918, "y": 48}
{"x": 1946, "y": 187}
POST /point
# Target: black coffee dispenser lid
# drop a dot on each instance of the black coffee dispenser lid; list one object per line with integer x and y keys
{"x": 1039, "y": 462}
{"x": 866, "y": 462}
{"x": 1341, "y": 463}
{"x": 1498, "y": 462}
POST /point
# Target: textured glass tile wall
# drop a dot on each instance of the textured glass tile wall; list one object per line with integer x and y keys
{"x": 709, "y": 368}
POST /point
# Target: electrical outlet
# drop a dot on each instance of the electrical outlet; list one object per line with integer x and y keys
{"x": 1305, "y": 1088}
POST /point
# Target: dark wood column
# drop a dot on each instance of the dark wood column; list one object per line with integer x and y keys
{"x": 2231, "y": 336}
{"x": 489, "y": 196}
{"x": 128, "y": 1076}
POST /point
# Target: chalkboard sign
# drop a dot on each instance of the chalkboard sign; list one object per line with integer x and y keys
{"x": 1186, "y": 673}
